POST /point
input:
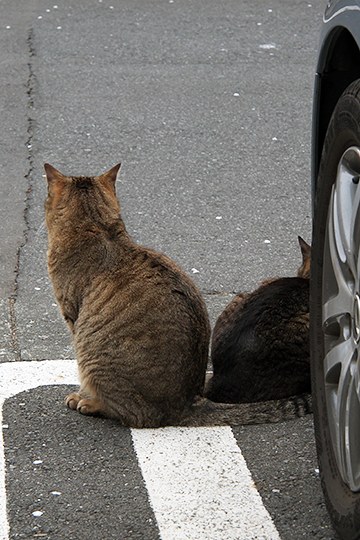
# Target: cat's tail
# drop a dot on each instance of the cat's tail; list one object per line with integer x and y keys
{"x": 208, "y": 413}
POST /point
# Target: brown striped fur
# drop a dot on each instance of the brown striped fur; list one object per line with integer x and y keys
{"x": 140, "y": 327}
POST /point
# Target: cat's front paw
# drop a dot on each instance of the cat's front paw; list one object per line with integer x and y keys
{"x": 73, "y": 400}
{"x": 89, "y": 406}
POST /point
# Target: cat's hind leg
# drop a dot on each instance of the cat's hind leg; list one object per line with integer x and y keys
{"x": 132, "y": 409}
{"x": 122, "y": 402}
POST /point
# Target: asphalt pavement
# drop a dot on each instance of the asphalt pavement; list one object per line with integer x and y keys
{"x": 207, "y": 104}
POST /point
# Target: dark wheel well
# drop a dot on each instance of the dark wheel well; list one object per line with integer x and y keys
{"x": 340, "y": 68}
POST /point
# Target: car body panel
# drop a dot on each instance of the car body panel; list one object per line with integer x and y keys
{"x": 338, "y": 66}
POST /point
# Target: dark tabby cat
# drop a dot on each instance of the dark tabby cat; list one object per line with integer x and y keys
{"x": 140, "y": 327}
{"x": 260, "y": 343}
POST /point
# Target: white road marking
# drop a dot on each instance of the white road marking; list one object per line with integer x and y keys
{"x": 198, "y": 483}
{"x": 200, "y": 486}
{"x": 16, "y": 377}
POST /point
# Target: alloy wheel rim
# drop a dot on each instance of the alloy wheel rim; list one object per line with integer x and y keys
{"x": 341, "y": 317}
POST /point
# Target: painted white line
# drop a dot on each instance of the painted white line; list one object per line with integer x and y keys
{"x": 16, "y": 377}
{"x": 199, "y": 485}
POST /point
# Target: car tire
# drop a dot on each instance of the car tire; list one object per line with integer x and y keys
{"x": 334, "y": 315}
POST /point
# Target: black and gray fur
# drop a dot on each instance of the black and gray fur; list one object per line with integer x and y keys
{"x": 260, "y": 344}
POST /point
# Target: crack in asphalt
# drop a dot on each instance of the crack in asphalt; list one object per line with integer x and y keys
{"x": 30, "y": 84}
{"x": 219, "y": 293}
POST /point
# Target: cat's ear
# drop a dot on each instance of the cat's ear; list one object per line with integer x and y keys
{"x": 55, "y": 179}
{"x": 108, "y": 178}
{"x": 52, "y": 174}
{"x": 304, "y": 270}
{"x": 305, "y": 248}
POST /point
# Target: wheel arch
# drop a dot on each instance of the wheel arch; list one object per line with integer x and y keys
{"x": 338, "y": 66}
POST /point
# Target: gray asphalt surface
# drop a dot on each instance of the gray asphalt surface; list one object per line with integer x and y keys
{"x": 208, "y": 107}
{"x": 115, "y": 506}
{"x": 208, "y": 176}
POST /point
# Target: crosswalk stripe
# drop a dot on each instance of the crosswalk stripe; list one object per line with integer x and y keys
{"x": 200, "y": 486}
{"x": 198, "y": 483}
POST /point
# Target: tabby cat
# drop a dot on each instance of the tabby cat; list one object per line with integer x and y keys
{"x": 260, "y": 343}
{"x": 140, "y": 327}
